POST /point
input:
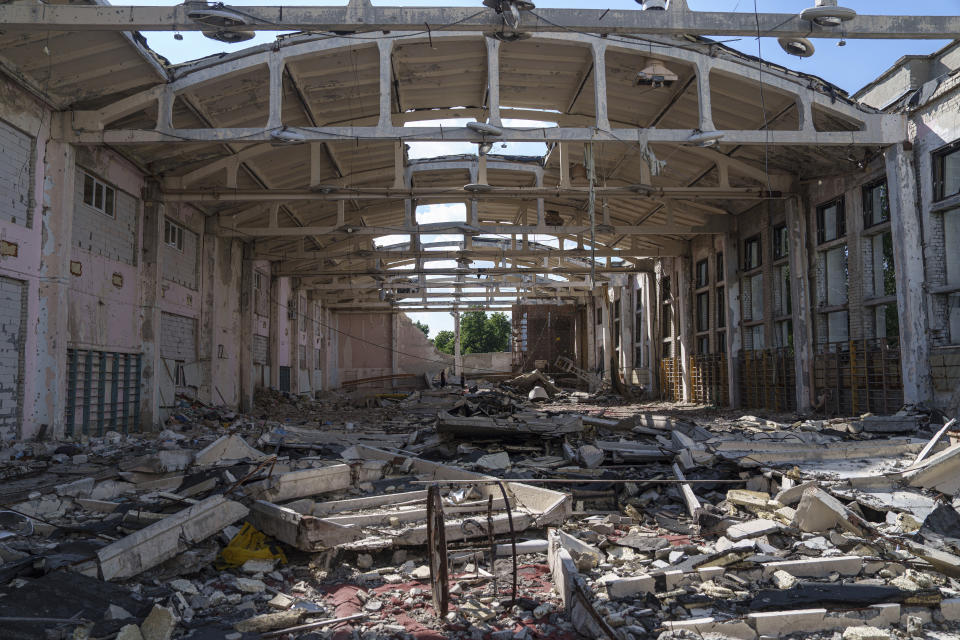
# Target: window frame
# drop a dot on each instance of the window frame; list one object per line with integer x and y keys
{"x": 702, "y": 268}
{"x": 865, "y": 194}
{"x": 702, "y": 313}
{"x": 748, "y": 266}
{"x": 721, "y": 277}
{"x": 780, "y": 236}
{"x": 841, "y": 220}
{"x": 107, "y": 189}
{"x": 721, "y": 307}
{"x": 175, "y": 230}
{"x": 939, "y": 157}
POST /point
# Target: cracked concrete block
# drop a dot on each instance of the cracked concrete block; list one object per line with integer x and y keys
{"x": 752, "y": 529}
{"x": 816, "y": 567}
{"x": 865, "y": 633}
{"x": 950, "y": 609}
{"x": 160, "y": 624}
{"x": 702, "y": 626}
{"x": 628, "y": 587}
{"x": 752, "y": 500}
{"x": 819, "y": 512}
{"x": 77, "y": 489}
{"x": 792, "y": 495}
{"x": 775, "y": 623}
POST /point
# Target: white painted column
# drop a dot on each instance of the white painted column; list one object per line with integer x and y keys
{"x": 151, "y": 268}
{"x": 278, "y": 315}
{"x": 685, "y": 325}
{"x": 247, "y": 328}
{"x": 731, "y": 266}
{"x": 311, "y": 350}
{"x": 457, "y": 357}
{"x": 800, "y": 301}
{"x": 493, "y": 81}
{"x": 276, "y": 66}
{"x": 385, "y": 47}
{"x": 53, "y": 310}
{"x": 600, "y": 84}
{"x": 705, "y": 100}
{"x": 905, "y": 227}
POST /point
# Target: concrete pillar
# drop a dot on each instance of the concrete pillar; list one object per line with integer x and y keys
{"x": 278, "y": 315}
{"x": 731, "y": 267}
{"x": 385, "y": 46}
{"x": 151, "y": 258}
{"x": 800, "y": 301}
{"x": 293, "y": 304}
{"x": 276, "y": 66}
{"x": 206, "y": 332}
{"x": 457, "y": 357}
{"x": 652, "y": 337}
{"x": 906, "y": 230}
{"x": 705, "y": 100}
{"x": 600, "y": 84}
{"x": 685, "y": 324}
{"x": 493, "y": 81}
{"x": 52, "y": 318}
{"x": 247, "y": 327}
{"x": 313, "y": 329}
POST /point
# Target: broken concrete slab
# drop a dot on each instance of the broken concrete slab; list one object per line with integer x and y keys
{"x": 940, "y": 471}
{"x": 752, "y": 529}
{"x": 816, "y": 567}
{"x": 702, "y": 627}
{"x": 227, "y": 450}
{"x": 484, "y": 427}
{"x": 792, "y": 495}
{"x": 160, "y": 624}
{"x": 819, "y": 511}
{"x": 304, "y": 532}
{"x": 631, "y": 587}
{"x": 270, "y": 621}
{"x": 163, "y": 461}
{"x": 163, "y": 540}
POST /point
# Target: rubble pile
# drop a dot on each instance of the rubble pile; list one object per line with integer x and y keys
{"x": 484, "y": 515}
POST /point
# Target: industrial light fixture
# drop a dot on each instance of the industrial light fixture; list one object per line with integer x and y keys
{"x": 800, "y": 47}
{"x": 229, "y": 36}
{"x": 643, "y": 189}
{"x": 656, "y": 74}
{"x": 476, "y": 187}
{"x": 826, "y": 13}
{"x": 225, "y": 22}
{"x": 484, "y": 148}
{"x": 485, "y": 128}
{"x": 653, "y": 5}
{"x": 510, "y": 10}
{"x": 285, "y": 137}
{"x": 324, "y": 188}
{"x": 510, "y": 36}
{"x": 552, "y": 218}
{"x": 704, "y": 138}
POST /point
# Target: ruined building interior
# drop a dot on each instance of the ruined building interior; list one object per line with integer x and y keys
{"x": 723, "y": 408}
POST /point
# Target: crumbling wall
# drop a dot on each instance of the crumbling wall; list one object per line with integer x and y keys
{"x": 477, "y": 365}
{"x": 416, "y": 354}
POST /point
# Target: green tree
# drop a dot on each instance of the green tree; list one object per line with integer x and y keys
{"x": 480, "y": 333}
{"x": 422, "y": 327}
{"x": 444, "y": 342}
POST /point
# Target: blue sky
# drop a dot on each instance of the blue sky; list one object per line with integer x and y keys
{"x": 849, "y": 67}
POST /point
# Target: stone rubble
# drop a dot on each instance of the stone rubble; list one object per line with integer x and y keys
{"x": 784, "y": 536}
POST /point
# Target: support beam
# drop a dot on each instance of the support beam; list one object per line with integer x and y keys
{"x": 493, "y": 81}
{"x": 800, "y": 302}
{"x": 906, "y": 229}
{"x": 731, "y": 268}
{"x": 883, "y": 129}
{"x": 685, "y": 324}
{"x": 678, "y": 20}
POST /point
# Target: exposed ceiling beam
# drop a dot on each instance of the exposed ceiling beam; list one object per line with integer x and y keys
{"x": 676, "y": 21}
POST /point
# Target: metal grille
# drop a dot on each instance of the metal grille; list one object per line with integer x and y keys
{"x": 768, "y": 380}
{"x": 103, "y": 392}
{"x": 858, "y": 376}
{"x": 708, "y": 375}
{"x": 671, "y": 380}
{"x": 285, "y": 379}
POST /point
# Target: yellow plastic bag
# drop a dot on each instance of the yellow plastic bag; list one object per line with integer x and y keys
{"x": 249, "y": 544}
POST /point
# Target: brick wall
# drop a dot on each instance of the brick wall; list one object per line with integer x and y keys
{"x": 945, "y": 369}
{"x": 178, "y": 337}
{"x": 114, "y": 238}
{"x": 181, "y": 266}
{"x": 13, "y": 323}
{"x": 16, "y": 175}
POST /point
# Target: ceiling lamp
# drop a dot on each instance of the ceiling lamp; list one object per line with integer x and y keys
{"x": 797, "y": 46}
{"x": 476, "y": 187}
{"x": 656, "y": 74}
{"x": 653, "y": 5}
{"x": 229, "y": 36}
{"x": 552, "y": 218}
{"x": 704, "y": 138}
{"x": 485, "y": 128}
{"x": 828, "y": 14}
{"x": 286, "y": 137}
{"x": 216, "y": 15}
